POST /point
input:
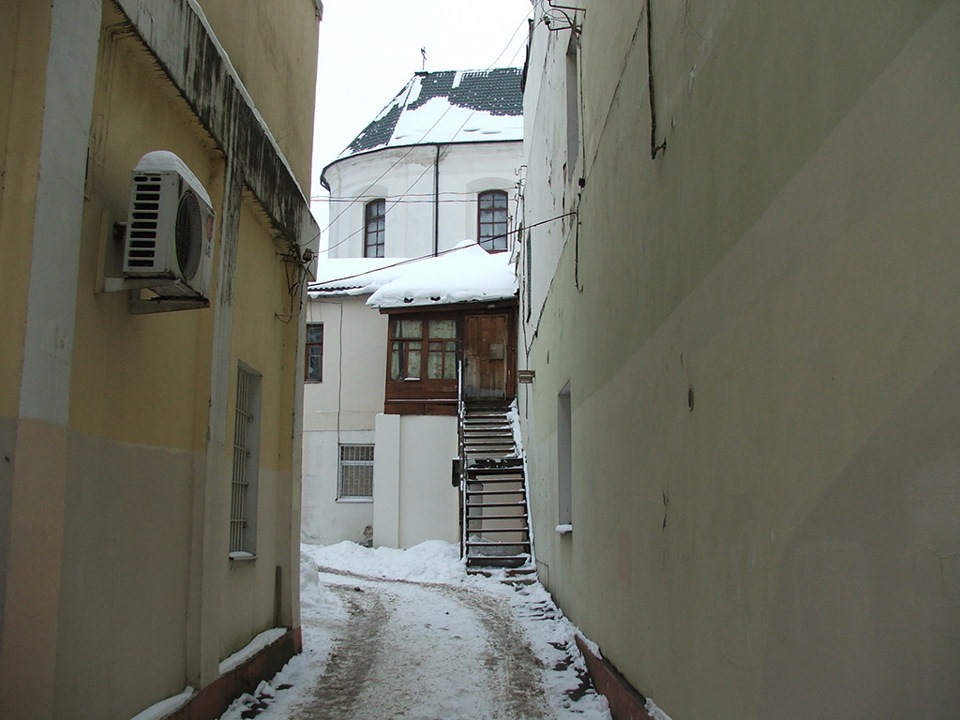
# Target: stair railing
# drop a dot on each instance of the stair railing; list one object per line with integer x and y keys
{"x": 460, "y": 464}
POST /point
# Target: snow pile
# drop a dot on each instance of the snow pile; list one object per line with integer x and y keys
{"x": 432, "y": 561}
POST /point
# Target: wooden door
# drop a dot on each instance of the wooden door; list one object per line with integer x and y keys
{"x": 485, "y": 356}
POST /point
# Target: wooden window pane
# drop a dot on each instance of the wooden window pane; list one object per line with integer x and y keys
{"x": 396, "y": 361}
{"x": 407, "y": 329}
{"x": 413, "y": 361}
{"x": 450, "y": 360}
{"x": 443, "y": 328}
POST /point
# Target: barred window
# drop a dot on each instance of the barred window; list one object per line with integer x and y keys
{"x": 356, "y": 473}
{"x": 246, "y": 445}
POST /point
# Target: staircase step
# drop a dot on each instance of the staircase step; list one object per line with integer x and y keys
{"x": 484, "y": 518}
{"x": 484, "y": 531}
{"x": 505, "y": 561}
{"x": 519, "y": 504}
{"x": 495, "y": 492}
{"x": 497, "y": 543}
{"x": 496, "y": 479}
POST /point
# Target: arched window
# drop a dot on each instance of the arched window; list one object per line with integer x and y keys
{"x": 492, "y": 220}
{"x": 373, "y": 230}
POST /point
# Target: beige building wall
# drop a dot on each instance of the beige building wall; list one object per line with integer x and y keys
{"x": 758, "y": 329}
{"x": 115, "y": 455}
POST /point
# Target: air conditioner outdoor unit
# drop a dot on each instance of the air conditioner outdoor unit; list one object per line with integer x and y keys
{"x": 169, "y": 238}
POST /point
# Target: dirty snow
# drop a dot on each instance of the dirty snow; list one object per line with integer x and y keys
{"x": 407, "y": 633}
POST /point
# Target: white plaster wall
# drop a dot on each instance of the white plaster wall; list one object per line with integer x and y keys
{"x": 414, "y": 498}
{"x": 465, "y": 170}
{"x": 545, "y": 187}
{"x": 341, "y": 409}
{"x": 354, "y": 366}
{"x": 327, "y": 520}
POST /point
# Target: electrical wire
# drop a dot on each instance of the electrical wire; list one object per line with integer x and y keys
{"x": 406, "y": 261}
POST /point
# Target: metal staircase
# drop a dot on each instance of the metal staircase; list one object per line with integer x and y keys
{"x": 493, "y": 500}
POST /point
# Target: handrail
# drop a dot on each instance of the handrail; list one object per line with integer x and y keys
{"x": 461, "y": 452}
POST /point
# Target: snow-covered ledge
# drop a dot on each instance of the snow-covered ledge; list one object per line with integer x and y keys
{"x": 564, "y": 529}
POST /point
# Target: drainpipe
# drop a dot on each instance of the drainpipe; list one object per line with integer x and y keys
{"x": 436, "y": 202}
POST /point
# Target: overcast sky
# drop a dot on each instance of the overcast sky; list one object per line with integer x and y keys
{"x": 369, "y": 49}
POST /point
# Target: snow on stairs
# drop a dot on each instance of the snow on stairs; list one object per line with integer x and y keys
{"x": 497, "y": 529}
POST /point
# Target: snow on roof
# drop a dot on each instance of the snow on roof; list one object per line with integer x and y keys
{"x": 448, "y": 106}
{"x": 160, "y": 161}
{"x": 467, "y": 273}
{"x": 354, "y": 276}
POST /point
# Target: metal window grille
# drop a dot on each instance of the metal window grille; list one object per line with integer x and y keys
{"x": 356, "y": 471}
{"x": 242, "y": 484}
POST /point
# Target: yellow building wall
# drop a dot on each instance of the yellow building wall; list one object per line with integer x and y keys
{"x": 274, "y": 48}
{"x": 136, "y": 377}
{"x": 113, "y": 548}
{"x": 24, "y": 38}
{"x": 264, "y": 340}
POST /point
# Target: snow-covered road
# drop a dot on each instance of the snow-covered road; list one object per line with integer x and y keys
{"x": 475, "y": 656}
{"x": 407, "y": 634}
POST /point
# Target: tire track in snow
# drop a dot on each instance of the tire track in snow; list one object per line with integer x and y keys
{"x": 477, "y": 665}
{"x": 352, "y": 656}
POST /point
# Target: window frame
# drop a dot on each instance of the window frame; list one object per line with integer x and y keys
{"x": 424, "y": 342}
{"x": 354, "y": 462}
{"x": 492, "y": 240}
{"x": 423, "y": 395}
{"x": 307, "y": 354}
{"x": 374, "y": 228}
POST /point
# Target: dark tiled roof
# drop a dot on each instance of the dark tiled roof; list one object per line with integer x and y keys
{"x": 495, "y": 91}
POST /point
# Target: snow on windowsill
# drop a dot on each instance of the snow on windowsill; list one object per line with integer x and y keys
{"x": 654, "y": 712}
{"x": 564, "y": 529}
{"x": 165, "y": 707}
{"x": 241, "y": 555}
{"x": 261, "y": 641}
{"x": 355, "y": 500}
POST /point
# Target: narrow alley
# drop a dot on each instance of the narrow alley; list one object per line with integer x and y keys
{"x": 407, "y": 634}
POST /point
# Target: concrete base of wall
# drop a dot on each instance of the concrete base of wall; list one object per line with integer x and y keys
{"x": 213, "y": 700}
{"x": 625, "y": 702}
